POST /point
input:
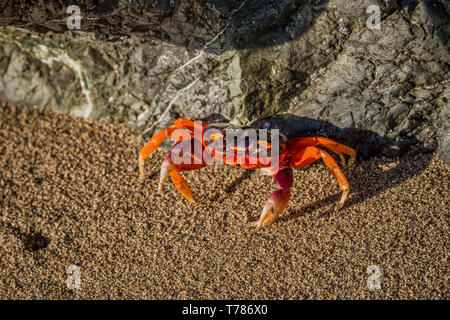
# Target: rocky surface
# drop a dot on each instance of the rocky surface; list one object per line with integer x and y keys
{"x": 145, "y": 63}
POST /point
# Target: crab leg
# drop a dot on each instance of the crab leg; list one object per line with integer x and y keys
{"x": 338, "y": 148}
{"x": 168, "y": 167}
{"x": 309, "y": 155}
{"x": 175, "y": 132}
{"x": 278, "y": 200}
{"x": 181, "y": 185}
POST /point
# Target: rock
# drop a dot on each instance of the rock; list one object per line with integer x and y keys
{"x": 145, "y": 63}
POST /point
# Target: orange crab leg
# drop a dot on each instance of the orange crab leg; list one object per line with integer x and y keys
{"x": 182, "y": 129}
{"x": 153, "y": 144}
{"x": 181, "y": 185}
{"x": 311, "y": 154}
{"x": 168, "y": 167}
{"x": 186, "y": 123}
{"x": 338, "y": 148}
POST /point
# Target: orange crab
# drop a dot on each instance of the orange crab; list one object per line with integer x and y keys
{"x": 200, "y": 143}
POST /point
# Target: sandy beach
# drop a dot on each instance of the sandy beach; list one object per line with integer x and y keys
{"x": 70, "y": 195}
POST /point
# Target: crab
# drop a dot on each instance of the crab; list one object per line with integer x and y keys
{"x": 201, "y": 143}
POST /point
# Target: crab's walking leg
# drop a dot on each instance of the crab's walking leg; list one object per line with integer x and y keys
{"x": 338, "y": 148}
{"x": 173, "y": 132}
{"x": 166, "y": 168}
{"x": 169, "y": 168}
{"x": 311, "y": 154}
{"x": 278, "y": 200}
{"x": 181, "y": 185}
{"x": 148, "y": 149}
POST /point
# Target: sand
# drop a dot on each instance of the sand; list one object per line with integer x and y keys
{"x": 70, "y": 195}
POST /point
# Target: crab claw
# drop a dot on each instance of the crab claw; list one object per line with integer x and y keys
{"x": 274, "y": 205}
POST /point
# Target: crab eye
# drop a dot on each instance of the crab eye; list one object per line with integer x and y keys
{"x": 264, "y": 144}
{"x": 216, "y": 136}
